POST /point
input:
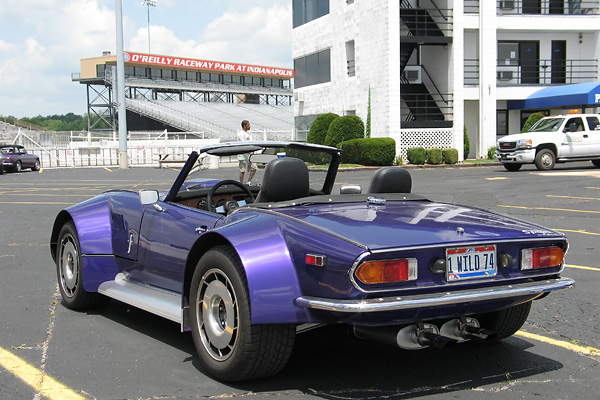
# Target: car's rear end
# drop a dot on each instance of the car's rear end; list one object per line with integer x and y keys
{"x": 423, "y": 264}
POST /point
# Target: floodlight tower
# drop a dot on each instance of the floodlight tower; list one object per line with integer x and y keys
{"x": 148, "y": 4}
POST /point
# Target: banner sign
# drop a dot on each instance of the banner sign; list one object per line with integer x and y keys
{"x": 146, "y": 59}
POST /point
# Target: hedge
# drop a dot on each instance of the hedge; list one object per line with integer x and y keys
{"x": 450, "y": 156}
{"x": 369, "y": 151}
{"x": 343, "y": 129}
{"x": 434, "y": 156}
{"x": 416, "y": 155}
{"x": 319, "y": 127}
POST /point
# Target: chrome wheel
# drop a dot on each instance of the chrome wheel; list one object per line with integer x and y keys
{"x": 545, "y": 159}
{"x": 218, "y": 315}
{"x": 68, "y": 265}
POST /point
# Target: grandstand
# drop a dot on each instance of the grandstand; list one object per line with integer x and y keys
{"x": 188, "y": 95}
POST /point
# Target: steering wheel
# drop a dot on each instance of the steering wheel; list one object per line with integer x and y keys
{"x": 230, "y": 205}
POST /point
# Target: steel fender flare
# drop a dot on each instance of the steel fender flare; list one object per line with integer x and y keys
{"x": 272, "y": 279}
{"x": 92, "y": 221}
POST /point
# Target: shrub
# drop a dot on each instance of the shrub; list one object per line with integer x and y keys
{"x": 319, "y": 127}
{"x": 467, "y": 145}
{"x": 343, "y": 129}
{"x": 533, "y": 118}
{"x": 450, "y": 156}
{"x": 490, "y": 153}
{"x": 370, "y": 151}
{"x": 434, "y": 156}
{"x": 416, "y": 155}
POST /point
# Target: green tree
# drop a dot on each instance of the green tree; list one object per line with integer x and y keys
{"x": 533, "y": 118}
{"x": 368, "y": 125}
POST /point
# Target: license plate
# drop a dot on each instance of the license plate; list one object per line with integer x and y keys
{"x": 470, "y": 262}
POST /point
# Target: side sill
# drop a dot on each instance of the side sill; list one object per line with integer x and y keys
{"x": 163, "y": 303}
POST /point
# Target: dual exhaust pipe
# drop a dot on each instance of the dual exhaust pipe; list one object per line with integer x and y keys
{"x": 422, "y": 335}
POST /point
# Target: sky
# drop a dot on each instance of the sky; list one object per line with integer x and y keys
{"x": 42, "y": 41}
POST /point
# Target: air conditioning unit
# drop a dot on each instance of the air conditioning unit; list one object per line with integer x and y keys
{"x": 507, "y": 5}
{"x": 507, "y": 74}
{"x": 299, "y": 96}
{"x": 412, "y": 73}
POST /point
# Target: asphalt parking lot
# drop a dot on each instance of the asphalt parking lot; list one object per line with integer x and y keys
{"x": 119, "y": 352}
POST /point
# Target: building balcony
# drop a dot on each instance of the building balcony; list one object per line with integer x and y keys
{"x": 540, "y": 7}
{"x": 536, "y": 72}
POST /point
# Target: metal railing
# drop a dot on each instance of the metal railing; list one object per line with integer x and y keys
{"x": 536, "y": 72}
{"x": 426, "y": 20}
{"x": 549, "y": 7}
{"x": 544, "y": 7}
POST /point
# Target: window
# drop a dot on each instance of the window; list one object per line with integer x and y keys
{"x": 304, "y": 11}
{"x": 593, "y": 123}
{"x": 501, "y": 122}
{"x": 100, "y": 70}
{"x": 312, "y": 69}
{"x": 350, "y": 59}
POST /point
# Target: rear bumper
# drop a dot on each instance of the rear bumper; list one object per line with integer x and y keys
{"x": 532, "y": 289}
{"x": 517, "y": 156}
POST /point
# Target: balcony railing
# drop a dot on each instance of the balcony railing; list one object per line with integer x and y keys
{"x": 544, "y": 7}
{"x": 536, "y": 72}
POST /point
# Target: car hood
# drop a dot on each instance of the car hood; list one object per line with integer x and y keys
{"x": 414, "y": 223}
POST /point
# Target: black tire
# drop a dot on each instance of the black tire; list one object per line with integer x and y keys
{"x": 596, "y": 163}
{"x": 17, "y": 167}
{"x": 230, "y": 347}
{"x": 512, "y": 167}
{"x": 36, "y": 166}
{"x": 545, "y": 159}
{"x": 505, "y": 323}
{"x": 69, "y": 272}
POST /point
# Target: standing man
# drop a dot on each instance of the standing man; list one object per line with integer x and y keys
{"x": 244, "y": 159}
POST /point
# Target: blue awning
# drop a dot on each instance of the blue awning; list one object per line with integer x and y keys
{"x": 578, "y": 94}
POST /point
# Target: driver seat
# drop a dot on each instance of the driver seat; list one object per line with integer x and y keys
{"x": 285, "y": 179}
{"x": 391, "y": 180}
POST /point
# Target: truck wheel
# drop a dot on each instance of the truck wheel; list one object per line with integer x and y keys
{"x": 545, "y": 159}
{"x": 512, "y": 167}
{"x": 596, "y": 163}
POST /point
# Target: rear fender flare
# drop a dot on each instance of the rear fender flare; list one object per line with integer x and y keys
{"x": 270, "y": 273}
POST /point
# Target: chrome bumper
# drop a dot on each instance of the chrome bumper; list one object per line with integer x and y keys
{"x": 532, "y": 289}
{"x": 522, "y": 156}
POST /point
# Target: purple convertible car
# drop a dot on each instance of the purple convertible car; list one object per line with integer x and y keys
{"x": 246, "y": 268}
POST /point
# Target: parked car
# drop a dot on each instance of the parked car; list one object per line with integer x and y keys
{"x": 16, "y": 158}
{"x": 559, "y": 138}
{"x": 246, "y": 268}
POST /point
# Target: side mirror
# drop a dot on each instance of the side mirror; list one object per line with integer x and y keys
{"x": 351, "y": 189}
{"x": 148, "y": 197}
{"x": 572, "y": 127}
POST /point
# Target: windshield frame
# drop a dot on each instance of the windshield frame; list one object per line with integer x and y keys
{"x": 235, "y": 148}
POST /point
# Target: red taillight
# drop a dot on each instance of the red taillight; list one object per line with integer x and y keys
{"x": 542, "y": 257}
{"x": 386, "y": 271}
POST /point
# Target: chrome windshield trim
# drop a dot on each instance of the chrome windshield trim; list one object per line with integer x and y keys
{"x": 533, "y": 289}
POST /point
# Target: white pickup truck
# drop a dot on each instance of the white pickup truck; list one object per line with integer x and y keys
{"x": 561, "y": 138}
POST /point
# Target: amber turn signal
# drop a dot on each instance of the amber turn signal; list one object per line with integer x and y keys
{"x": 387, "y": 271}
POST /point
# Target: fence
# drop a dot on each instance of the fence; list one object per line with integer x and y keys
{"x": 81, "y": 149}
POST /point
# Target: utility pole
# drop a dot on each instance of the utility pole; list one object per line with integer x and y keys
{"x": 122, "y": 111}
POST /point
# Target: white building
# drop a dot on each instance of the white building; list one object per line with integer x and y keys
{"x": 434, "y": 67}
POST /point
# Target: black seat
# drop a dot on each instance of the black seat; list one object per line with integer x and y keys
{"x": 285, "y": 179}
{"x": 391, "y": 180}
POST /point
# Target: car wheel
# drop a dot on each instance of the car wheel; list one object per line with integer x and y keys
{"x": 505, "y": 323}
{"x": 36, "y": 166}
{"x": 230, "y": 347}
{"x": 596, "y": 163}
{"x": 68, "y": 268}
{"x": 545, "y": 159}
{"x": 512, "y": 167}
{"x": 17, "y": 167}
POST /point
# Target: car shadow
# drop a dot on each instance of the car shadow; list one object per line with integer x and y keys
{"x": 329, "y": 363}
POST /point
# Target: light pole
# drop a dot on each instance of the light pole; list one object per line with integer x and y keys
{"x": 149, "y": 3}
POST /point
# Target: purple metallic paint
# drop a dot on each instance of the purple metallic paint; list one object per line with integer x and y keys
{"x": 93, "y": 224}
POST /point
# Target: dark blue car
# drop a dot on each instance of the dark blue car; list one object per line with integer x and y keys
{"x": 246, "y": 268}
{"x": 15, "y": 158}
